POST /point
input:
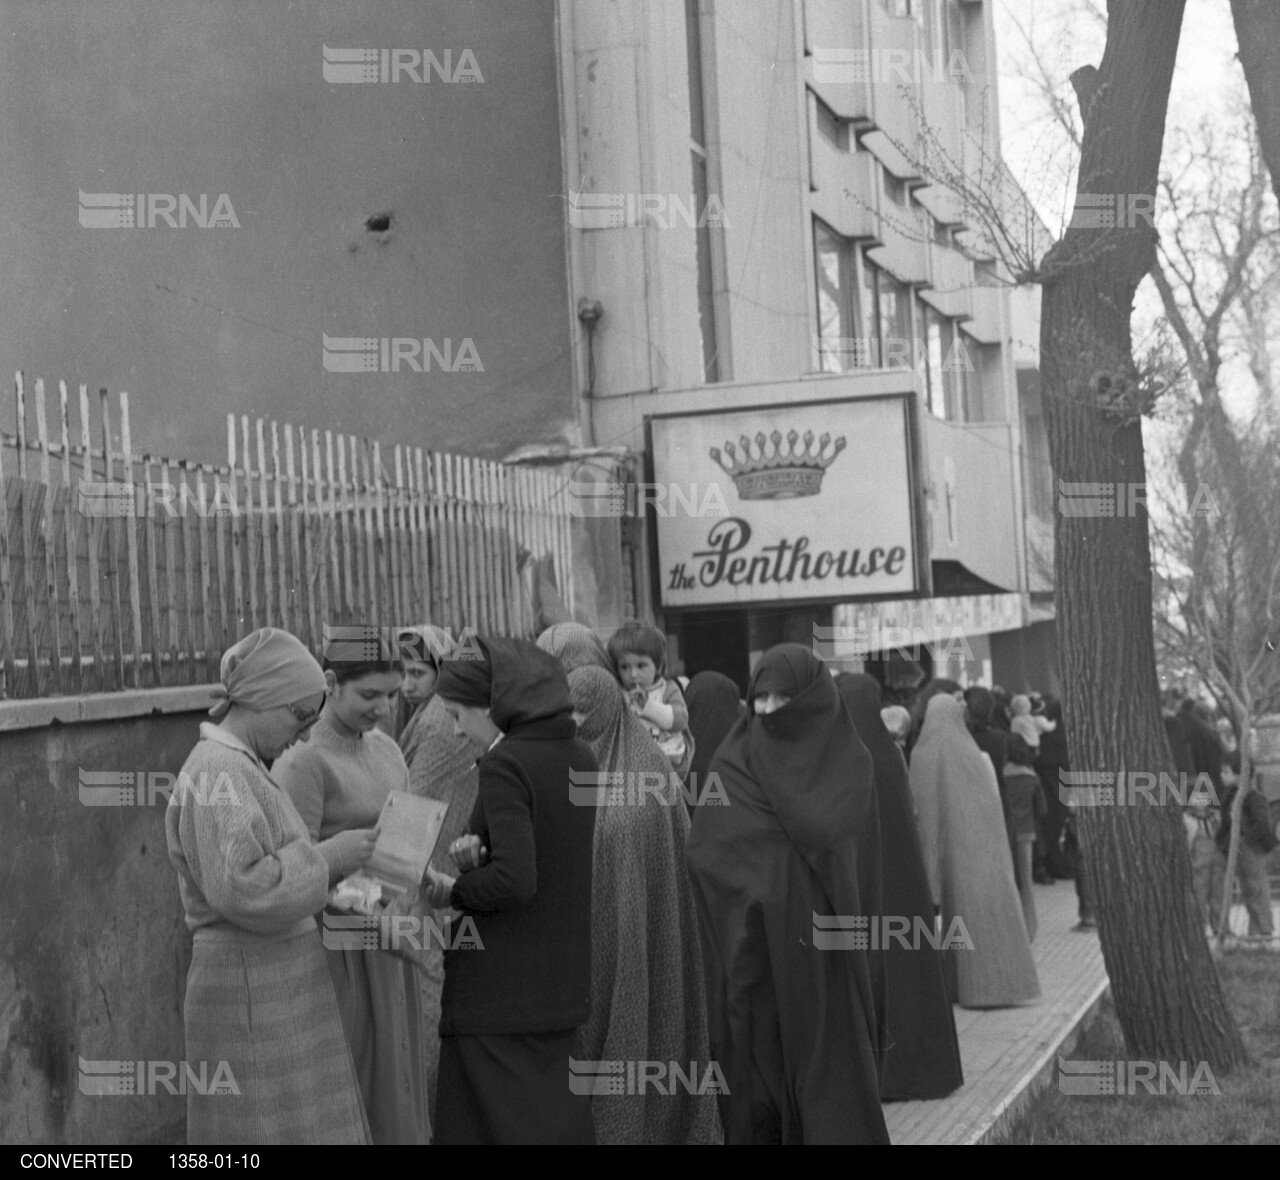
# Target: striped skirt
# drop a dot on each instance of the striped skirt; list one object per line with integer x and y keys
{"x": 266, "y": 1007}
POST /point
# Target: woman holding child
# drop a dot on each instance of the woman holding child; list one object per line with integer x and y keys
{"x": 639, "y": 654}
{"x": 647, "y": 999}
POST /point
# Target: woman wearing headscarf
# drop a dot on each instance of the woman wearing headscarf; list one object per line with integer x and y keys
{"x": 920, "y": 702}
{"x": 647, "y": 998}
{"x": 259, "y": 995}
{"x": 1051, "y": 760}
{"x": 917, "y": 1025}
{"x": 576, "y": 646}
{"x": 966, "y": 853}
{"x": 421, "y": 650}
{"x": 338, "y": 781}
{"x": 795, "y": 852}
{"x": 442, "y": 766}
{"x": 509, "y": 1012}
{"x": 714, "y": 709}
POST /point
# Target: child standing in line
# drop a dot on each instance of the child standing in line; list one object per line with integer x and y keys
{"x": 639, "y": 654}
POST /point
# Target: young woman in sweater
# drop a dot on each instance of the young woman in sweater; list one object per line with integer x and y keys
{"x": 339, "y": 781}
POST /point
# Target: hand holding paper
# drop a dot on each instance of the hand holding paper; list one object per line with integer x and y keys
{"x": 406, "y": 836}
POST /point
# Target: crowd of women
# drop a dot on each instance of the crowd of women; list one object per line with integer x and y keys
{"x": 643, "y": 971}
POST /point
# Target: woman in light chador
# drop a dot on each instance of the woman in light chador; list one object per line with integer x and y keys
{"x": 966, "y": 853}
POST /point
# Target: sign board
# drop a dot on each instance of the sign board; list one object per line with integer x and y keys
{"x": 784, "y": 503}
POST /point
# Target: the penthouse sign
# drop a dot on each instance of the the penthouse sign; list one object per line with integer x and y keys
{"x": 818, "y": 497}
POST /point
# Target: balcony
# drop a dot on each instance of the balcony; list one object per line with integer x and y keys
{"x": 952, "y": 282}
{"x": 848, "y": 195}
{"x": 896, "y": 101}
{"x": 838, "y": 61}
{"x": 987, "y": 325}
{"x": 905, "y": 235}
{"x": 971, "y": 498}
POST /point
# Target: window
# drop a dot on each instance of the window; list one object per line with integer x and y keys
{"x": 897, "y": 7}
{"x": 698, "y": 153}
{"x": 835, "y": 300}
{"x": 947, "y": 367}
{"x": 869, "y": 306}
{"x": 937, "y": 340}
{"x": 895, "y": 323}
{"x": 831, "y": 127}
{"x": 925, "y": 12}
{"x": 941, "y": 234}
{"x": 895, "y": 189}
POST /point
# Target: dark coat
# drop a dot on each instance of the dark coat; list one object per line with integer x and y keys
{"x": 917, "y": 1026}
{"x": 531, "y": 901}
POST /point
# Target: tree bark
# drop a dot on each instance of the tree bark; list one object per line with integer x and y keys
{"x": 1258, "y": 33}
{"x": 1168, "y": 996}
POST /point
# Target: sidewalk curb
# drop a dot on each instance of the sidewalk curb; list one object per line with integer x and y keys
{"x": 1008, "y": 1110}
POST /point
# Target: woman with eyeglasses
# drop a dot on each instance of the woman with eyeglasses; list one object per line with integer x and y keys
{"x": 339, "y": 782}
{"x": 259, "y": 995}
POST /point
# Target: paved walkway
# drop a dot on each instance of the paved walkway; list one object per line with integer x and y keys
{"x": 1008, "y": 1054}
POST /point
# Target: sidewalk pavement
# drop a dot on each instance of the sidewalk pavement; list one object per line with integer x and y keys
{"x": 1010, "y": 1054}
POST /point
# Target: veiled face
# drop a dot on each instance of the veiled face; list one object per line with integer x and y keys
{"x": 769, "y": 702}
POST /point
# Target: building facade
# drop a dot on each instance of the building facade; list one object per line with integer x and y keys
{"x": 708, "y": 249}
{"x": 805, "y": 335}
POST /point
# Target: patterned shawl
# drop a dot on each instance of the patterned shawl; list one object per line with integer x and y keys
{"x": 647, "y": 999}
{"x": 575, "y": 646}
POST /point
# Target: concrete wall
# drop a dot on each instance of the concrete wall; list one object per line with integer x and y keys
{"x": 94, "y": 952}
{"x": 156, "y": 96}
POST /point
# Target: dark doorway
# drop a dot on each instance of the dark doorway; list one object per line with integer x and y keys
{"x": 716, "y": 642}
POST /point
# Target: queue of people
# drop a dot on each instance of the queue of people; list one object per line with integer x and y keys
{"x": 795, "y": 943}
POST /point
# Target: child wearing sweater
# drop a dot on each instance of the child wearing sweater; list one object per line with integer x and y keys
{"x": 1026, "y": 724}
{"x": 639, "y": 654}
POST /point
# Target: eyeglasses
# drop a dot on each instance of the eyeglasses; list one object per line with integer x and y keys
{"x": 305, "y": 720}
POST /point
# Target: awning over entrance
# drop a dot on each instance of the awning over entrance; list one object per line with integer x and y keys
{"x": 859, "y": 628}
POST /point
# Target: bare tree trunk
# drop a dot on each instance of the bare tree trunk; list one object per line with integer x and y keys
{"x": 1258, "y": 32}
{"x": 1168, "y": 997}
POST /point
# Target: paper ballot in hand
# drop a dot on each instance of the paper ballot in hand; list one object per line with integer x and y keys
{"x": 407, "y": 833}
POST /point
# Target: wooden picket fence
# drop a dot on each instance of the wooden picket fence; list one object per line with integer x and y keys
{"x": 124, "y": 571}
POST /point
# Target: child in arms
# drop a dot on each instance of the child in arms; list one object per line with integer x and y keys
{"x": 639, "y": 654}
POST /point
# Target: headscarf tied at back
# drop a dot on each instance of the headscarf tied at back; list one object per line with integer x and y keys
{"x": 515, "y": 680}
{"x": 576, "y": 646}
{"x": 266, "y": 669}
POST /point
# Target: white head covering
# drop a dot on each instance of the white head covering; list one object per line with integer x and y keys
{"x": 265, "y": 670}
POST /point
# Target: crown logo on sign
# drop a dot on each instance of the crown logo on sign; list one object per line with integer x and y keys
{"x": 777, "y": 472}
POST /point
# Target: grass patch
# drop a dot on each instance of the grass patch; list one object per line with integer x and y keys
{"x": 1247, "y": 1110}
